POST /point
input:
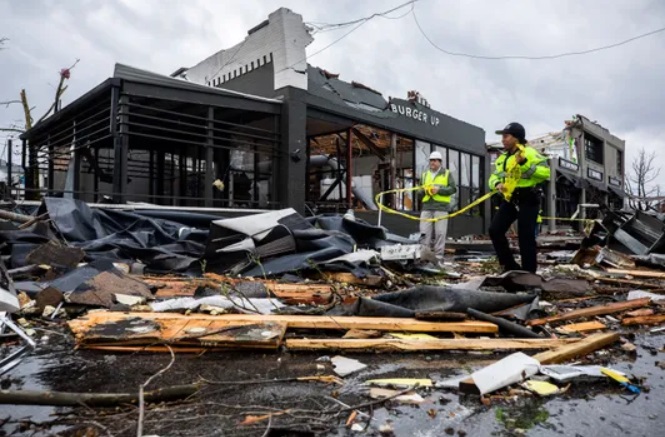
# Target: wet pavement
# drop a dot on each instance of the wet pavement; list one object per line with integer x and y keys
{"x": 599, "y": 408}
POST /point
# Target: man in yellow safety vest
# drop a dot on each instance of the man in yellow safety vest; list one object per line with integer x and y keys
{"x": 523, "y": 204}
{"x": 438, "y": 188}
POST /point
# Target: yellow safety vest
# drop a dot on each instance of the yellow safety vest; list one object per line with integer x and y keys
{"x": 439, "y": 179}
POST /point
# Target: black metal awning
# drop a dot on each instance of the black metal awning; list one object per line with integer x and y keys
{"x": 618, "y": 191}
{"x": 597, "y": 185}
{"x": 574, "y": 180}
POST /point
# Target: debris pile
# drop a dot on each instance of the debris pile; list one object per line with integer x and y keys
{"x": 181, "y": 283}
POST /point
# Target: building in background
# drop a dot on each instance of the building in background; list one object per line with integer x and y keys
{"x": 255, "y": 126}
{"x": 588, "y": 167}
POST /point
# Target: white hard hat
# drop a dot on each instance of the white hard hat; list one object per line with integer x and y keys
{"x": 436, "y": 155}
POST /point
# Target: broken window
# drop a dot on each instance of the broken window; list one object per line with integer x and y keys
{"x": 444, "y": 154}
{"x": 453, "y": 165}
{"x": 593, "y": 149}
{"x": 422, "y": 150}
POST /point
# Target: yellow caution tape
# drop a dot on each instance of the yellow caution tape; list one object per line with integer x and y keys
{"x": 389, "y": 210}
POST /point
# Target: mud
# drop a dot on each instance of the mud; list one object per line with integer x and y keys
{"x": 587, "y": 409}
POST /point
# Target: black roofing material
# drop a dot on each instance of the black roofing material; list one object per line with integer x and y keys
{"x": 431, "y": 298}
{"x": 123, "y": 236}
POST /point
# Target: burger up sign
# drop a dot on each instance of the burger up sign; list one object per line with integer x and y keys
{"x": 412, "y": 111}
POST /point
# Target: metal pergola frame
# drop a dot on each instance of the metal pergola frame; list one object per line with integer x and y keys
{"x": 184, "y": 132}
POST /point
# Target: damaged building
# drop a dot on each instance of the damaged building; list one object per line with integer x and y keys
{"x": 254, "y": 127}
{"x": 588, "y": 168}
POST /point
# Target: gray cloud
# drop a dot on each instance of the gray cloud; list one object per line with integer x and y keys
{"x": 621, "y": 88}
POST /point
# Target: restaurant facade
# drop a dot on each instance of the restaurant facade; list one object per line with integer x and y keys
{"x": 255, "y": 127}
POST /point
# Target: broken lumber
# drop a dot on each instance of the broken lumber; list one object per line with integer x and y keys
{"x": 639, "y": 284}
{"x": 392, "y": 345}
{"x": 351, "y": 279}
{"x": 580, "y": 348}
{"x": 390, "y": 324}
{"x": 66, "y": 399}
{"x": 583, "y": 327}
{"x": 593, "y": 311}
{"x": 644, "y": 320}
{"x": 638, "y": 273}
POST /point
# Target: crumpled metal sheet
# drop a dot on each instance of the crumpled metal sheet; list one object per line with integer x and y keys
{"x": 296, "y": 244}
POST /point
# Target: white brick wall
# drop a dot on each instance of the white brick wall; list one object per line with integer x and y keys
{"x": 281, "y": 42}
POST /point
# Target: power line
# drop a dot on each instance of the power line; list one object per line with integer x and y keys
{"x": 533, "y": 58}
{"x": 323, "y": 27}
{"x": 360, "y": 23}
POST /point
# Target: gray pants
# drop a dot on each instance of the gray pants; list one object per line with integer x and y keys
{"x": 433, "y": 234}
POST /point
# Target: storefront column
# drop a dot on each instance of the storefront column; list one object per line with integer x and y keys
{"x": 293, "y": 149}
{"x": 349, "y": 168}
{"x": 551, "y": 202}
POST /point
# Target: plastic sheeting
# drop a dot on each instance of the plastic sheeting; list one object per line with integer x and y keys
{"x": 426, "y": 298}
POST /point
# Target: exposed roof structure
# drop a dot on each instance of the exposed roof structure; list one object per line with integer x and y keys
{"x": 330, "y": 87}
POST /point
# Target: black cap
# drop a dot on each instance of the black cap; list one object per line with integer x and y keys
{"x": 514, "y": 129}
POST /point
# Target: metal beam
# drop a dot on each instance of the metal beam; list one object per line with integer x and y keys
{"x": 201, "y": 98}
{"x": 120, "y": 148}
{"x": 209, "y": 158}
{"x": 349, "y": 163}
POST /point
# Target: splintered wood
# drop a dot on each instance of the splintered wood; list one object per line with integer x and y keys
{"x": 104, "y": 330}
{"x": 291, "y": 294}
{"x": 593, "y": 311}
{"x": 190, "y": 333}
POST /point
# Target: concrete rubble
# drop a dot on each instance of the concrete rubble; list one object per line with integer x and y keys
{"x": 281, "y": 285}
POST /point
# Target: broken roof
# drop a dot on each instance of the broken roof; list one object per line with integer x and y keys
{"x": 356, "y": 95}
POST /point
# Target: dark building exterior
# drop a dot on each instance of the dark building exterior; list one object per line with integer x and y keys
{"x": 256, "y": 127}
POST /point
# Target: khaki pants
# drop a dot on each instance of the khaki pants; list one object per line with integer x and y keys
{"x": 433, "y": 234}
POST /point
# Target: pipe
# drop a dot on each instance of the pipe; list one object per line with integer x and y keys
{"x": 505, "y": 325}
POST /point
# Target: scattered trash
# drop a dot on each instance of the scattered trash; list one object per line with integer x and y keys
{"x": 410, "y": 398}
{"x": 510, "y": 370}
{"x": 541, "y": 388}
{"x": 565, "y": 373}
{"x": 621, "y": 379}
{"x": 344, "y": 366}
{"x": 400, "y": 382}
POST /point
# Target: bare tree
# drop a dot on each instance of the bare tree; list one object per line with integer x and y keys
{"x": 32, "y": 172}
{"x": 640, "y": 182}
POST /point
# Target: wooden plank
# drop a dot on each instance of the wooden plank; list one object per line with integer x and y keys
{"x": 392, "y": 345}
{"x": 593, "y": 311}
{"x": 300, "y": 322}
{"x": 577, "y": 349}
{"x": 583, "y": 327}
{"x": 638, "y": 273}
{"x": 319, "y": 294}
{"x": 656, "y": 319}
{"x": 351, "y": 279}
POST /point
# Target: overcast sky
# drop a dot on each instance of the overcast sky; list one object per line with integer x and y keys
{"x": 621, "y": 88}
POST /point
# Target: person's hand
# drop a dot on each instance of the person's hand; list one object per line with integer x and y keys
{"x": 520, "y": 159}
{"x": 500, "y": 188}
{"x": 435, "y": 189}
